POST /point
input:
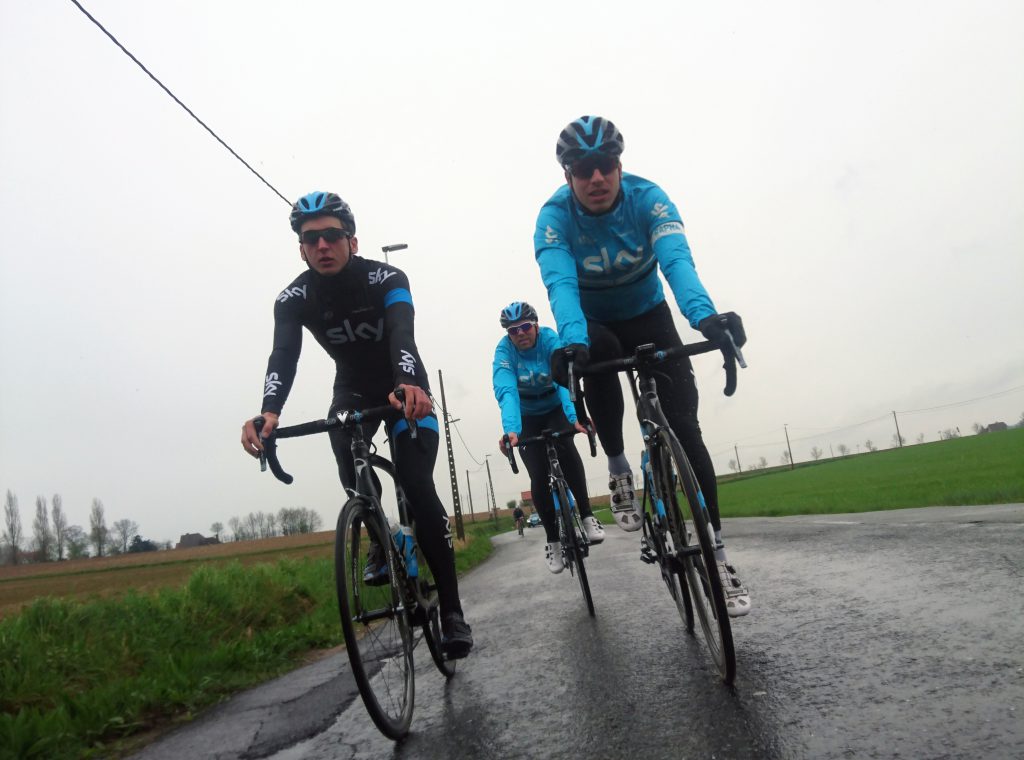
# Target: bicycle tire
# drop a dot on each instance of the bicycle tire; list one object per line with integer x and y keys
{"x": 374, "y": 620}
{"x": 671, "y": 572}
{"x": 572, "y": 547}
{"x": 432, "y": 624}
{"x": 700, "y": 570}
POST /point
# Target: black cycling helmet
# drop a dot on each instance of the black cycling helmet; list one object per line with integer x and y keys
{"x": 518, "y": 311}
{"x": 586, "y": 136}
{"x": 319, "y": 203}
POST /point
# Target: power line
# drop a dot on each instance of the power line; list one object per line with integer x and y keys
{"x": 961, "y": 403}
{"x": 176, "y": 100}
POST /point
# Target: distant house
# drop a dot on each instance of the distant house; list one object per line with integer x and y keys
{"x": 190, "y": 540}
{"x": 526, "y": 497}
{"x": 995, "y": 427}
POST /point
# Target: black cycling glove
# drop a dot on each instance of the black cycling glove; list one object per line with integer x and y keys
{"x": 560, "y": 362}
{"x": 713, "y": 328}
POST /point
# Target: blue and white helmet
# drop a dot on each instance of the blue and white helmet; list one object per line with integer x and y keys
{"x": 518, "y": 311}
{"x": 319, "y": 203}
{"x": 586, "y": 136}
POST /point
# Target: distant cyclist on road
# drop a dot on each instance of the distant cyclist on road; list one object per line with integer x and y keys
{"x": 530, "y": 402}
{"x": 600, "y": 241}
{"x": 520, "y": 518}
{"x": 361, "y": 313}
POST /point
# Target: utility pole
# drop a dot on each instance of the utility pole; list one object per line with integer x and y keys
{"x": 451, "y": 462}
{"x": 469, "y": 491}
{"x": 899, "y": 438}
{"x": 791, "y": 465}
{"x": 494, "y": 504}
{"x": 739, "y": 467}
{"x": 393, "y": 247}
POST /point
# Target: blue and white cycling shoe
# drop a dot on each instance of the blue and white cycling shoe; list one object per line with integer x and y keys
{"x": 594, "y": 529}
{"x": 553, "y": 557}
{"x": 625, "y": 506}
{"x": 376, "y": 571}
{"x": 737, "y": 598}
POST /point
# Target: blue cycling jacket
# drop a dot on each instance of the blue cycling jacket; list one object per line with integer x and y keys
{"x": 605, "y": 267}
{"x": 523, "y": 384}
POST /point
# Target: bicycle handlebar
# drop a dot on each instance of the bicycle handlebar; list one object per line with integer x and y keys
{"x": 545, "y": 436}
{"x": 647, "y": 353}
{"x": 345, "y": 419}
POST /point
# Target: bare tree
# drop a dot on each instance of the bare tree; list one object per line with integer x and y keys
{"x": 920, "y": 438}
{"x": 733, "y": 466}
{"x": 77, "y": 541}
{"x": 216, "y": 529}
{"x": 60, "y": 525}
{"x": 870, "y": 446}
{"x": 98, "y": 532}
{"x": 785, "y": 456}
{"x": 843, "y": 449}
{"x": 977, "y": 427}
{"x": 236, "y": 529}
{"x": 949, "y": 434}
{"x": 762, "y": 463}
{"x": 124, "y": 530}
{"x": 42, "y": 537}
{"x": 816, "y": 453}
{"x": 12, "y": 526}
{"x": 898, "y": 440}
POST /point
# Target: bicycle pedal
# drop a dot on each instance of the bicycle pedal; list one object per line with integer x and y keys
{"x": 646, "y": 553}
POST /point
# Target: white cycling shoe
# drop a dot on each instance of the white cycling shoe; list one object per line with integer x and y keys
{"x": 737, "y": 598}
{"x": 553, "y": 557}
{"x": 625, "y": 506}
{"x": 594, "y": 529}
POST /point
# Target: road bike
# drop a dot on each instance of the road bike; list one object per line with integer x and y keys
{"x": 571, "y": 533}
{"x": 520, "y": 524}
{"x": 382, "y": 624}
{"x": 684, "y": 552}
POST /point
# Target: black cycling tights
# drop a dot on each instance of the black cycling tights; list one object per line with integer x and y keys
{"x": 676, "y": 390}
{"x": 415, "y": 460}
{"x": 535, "y": 457}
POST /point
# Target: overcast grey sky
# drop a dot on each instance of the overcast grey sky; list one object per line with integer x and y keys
{"x": 851, "y": 176}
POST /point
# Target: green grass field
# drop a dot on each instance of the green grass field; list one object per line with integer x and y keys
{"x": 981, "y": 469}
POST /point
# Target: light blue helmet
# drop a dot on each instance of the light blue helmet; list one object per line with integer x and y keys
{"x": 319, "y": 203}
{"x": 518, "y": 311}
{"x": 587, "y": 136}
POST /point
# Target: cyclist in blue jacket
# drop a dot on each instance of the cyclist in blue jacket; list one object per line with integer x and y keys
{"x": 600, "y": 241}
{"x": 530, "y": 402}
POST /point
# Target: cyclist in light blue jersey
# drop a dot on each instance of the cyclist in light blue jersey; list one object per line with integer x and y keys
{"x": 600, "y": 242}
{"x": 530, "y": 402}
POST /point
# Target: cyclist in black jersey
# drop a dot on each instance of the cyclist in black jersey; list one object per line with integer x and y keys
{"x": 361, "y": 313}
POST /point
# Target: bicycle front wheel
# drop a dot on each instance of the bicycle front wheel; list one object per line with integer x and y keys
{"x": 697, "y": 562}
{"x": 573, "y": 548}
{"x": 374, "y": 620}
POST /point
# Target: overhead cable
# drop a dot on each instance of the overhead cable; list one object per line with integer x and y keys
{"x": 176, "y": 100}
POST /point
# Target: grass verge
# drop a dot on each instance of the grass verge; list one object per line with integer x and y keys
{"x": 79, "y": 678}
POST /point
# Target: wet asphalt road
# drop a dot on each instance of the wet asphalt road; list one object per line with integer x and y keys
{"x": 878, "y": 635}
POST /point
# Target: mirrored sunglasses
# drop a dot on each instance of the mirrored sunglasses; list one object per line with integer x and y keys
{"x": 584, "y": 168}
{"x": 516, "y": 329}
{"x": 331, "y": 235}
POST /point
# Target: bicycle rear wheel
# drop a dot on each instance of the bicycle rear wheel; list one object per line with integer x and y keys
{"x": 572, "y": 543}
{"x": 698, "y": 567}
{"x": 432, "y": 622}
{"x": 374, "y": 620}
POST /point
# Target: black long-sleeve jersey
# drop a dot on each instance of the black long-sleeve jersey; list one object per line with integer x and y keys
{"x": 363, "y": 318}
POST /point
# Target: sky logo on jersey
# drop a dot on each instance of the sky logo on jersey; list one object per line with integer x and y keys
{"x": 670, "y": 228}
{"x": 349, "y": 333}
{"x": 408, "y": 362}
{"x": 660, "y": 210}
{"x": 531, "y": 379}
{"x": 378, "y": 277}
{"x": 550, "y": 235}
{"x": 623, "y": 261}
{"x": 292, "y": 293}
{"x": 271, "y": 384}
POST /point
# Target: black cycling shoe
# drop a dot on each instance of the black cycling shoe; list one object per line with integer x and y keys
{"x": 376, "y": 571}
{"x": 456, "y": 636}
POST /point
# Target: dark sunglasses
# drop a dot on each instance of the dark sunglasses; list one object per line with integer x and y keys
{"x": 331, "y": 235}
{"x": 516, "y": 329}
{"x": 584, "y": 168}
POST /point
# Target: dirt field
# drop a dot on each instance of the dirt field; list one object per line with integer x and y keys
{"x": 145, "y": 571}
